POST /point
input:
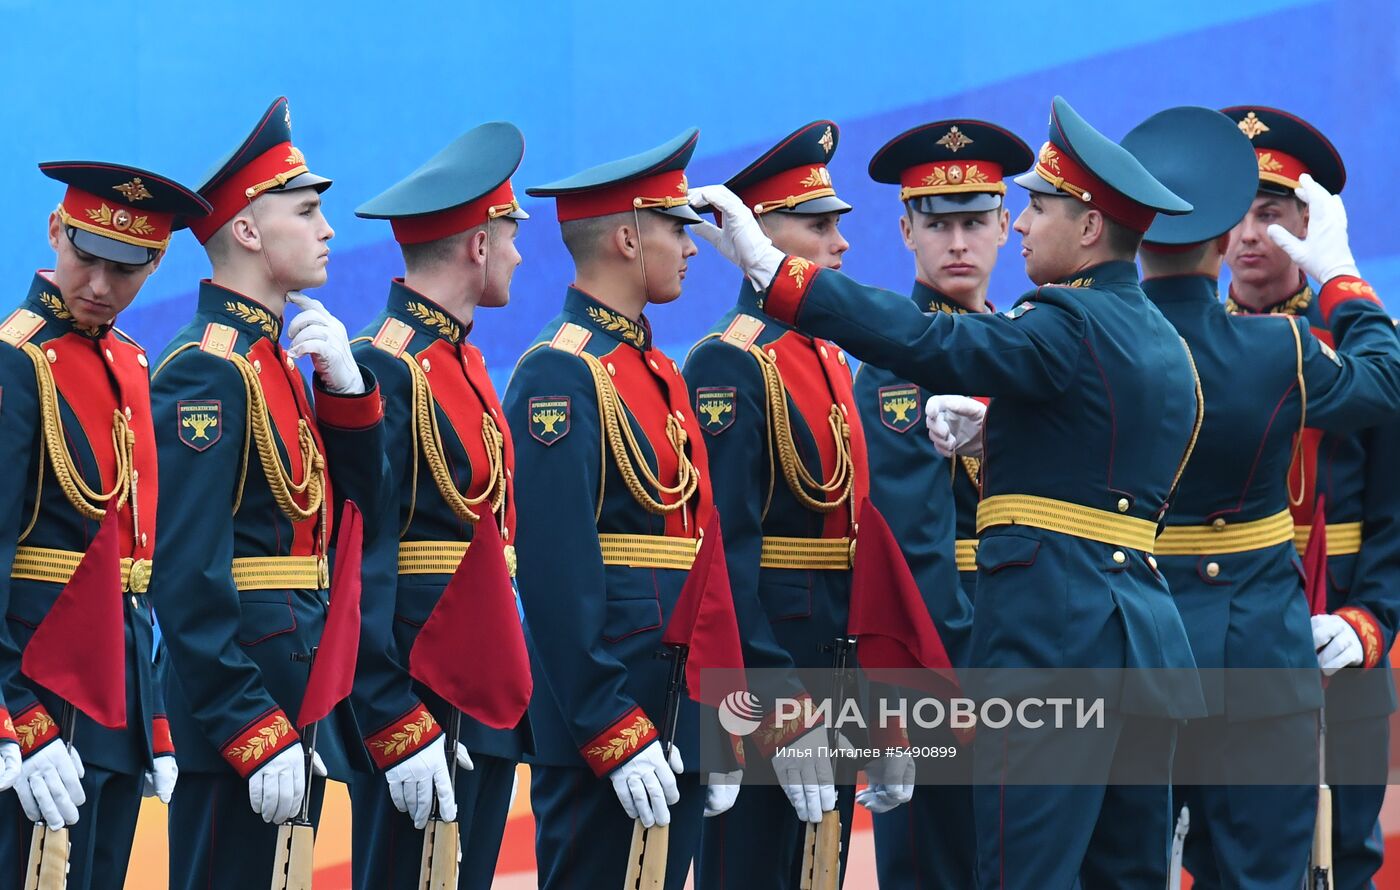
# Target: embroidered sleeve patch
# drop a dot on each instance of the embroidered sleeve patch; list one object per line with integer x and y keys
{"x": 900, "y": 407}
{"x": 549, "y": 418}
{"x": 1019, "y": 309}
{"x": 201, "y": 423}
{"x": 716, "y": 407}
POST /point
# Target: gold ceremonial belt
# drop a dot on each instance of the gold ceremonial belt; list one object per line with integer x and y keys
{"x": 47, "y": 564}
{"x": 281, "y": 573}
{"x": 1067, "y": 519}
{"x": 965, "y": 552}
{"x": 1342, "y": 538}
{"x": 648, "y": 551}
{"x": 1223, "y": 537}
{"x": 440, "y": 557}
{"x": 806, "y": 553}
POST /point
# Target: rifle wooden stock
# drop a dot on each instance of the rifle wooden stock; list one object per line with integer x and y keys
{"x": 437, "y": 870}
{"x": 1320, "y": 869}
{"x": 291, "y": 870}
{"x": 48, "y": 859}
{"x": 646, "y": 860}
{"x": 821, "y": 854}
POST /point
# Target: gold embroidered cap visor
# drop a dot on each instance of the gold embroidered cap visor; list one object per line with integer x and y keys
{"x": 121, "y": 214}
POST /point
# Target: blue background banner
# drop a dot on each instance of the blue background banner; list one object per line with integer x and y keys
{"x": 377, "y": 88}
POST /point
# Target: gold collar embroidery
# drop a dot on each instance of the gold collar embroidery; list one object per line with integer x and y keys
{"x": 614, "y": 323}
{"x": 255, "y": 315}
{"x": 435, "y": 319}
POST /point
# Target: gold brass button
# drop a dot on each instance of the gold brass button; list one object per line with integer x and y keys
{"x": 1218, "y": 523}
{"x": 427, "y": 365}
{"x": 654, "y": 365}
{"x": 140, "y": 577}
{"x": 841, "y": 357}
{"x": 1212, "y": 569}
{"x": 127, "y": 412}
{"x": 1152, "y": 561}
{"x": 612, "y": 371}
{"x": 773, "y": 353}
{"x": 680, "y": 416}
{"x": 257, "y": 365}
{"x": 133, "y": 602}
{"x": 141, "y": 360}
{"x": 51, "y": 355}
{"x": 1120, "y": 557}
{"x": 674, "y": 368}
{"x": 110, "y": 357}
{"x": 822, "y": 350}
{"x": 1122, "y": 505}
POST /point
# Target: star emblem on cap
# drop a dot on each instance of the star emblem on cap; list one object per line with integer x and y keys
{"x": 954, "y": 139}
{"x": 828, "y": 141}
{"x": 133, "y": 191}
{"x": 1252, "y": 126}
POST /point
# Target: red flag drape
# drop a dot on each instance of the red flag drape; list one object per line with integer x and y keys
{"x": 333, "y": 671}
{"x": 1315, "y": 560}
{"x": 471, "y": 650}
{"x": 78, "y": 652}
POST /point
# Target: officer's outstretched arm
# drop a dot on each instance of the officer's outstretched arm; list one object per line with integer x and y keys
{"x": 1357, "y": 384}
{"x": 192, "y": 589}
{"x": 1029, "y": 352}
{"x": 552, "y": 409}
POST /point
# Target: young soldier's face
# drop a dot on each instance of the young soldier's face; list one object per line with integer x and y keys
{"x": 294, "y": 237}
{"x": 666, "y": 251}
{"x": 1050, "y": 235}
{"x": 502, "y": 258}
{"x": 812, "y": 236}
{"x": 1252, "y": 256}
{"x": 955, "y": 252}
{"x": 95, "y": 290}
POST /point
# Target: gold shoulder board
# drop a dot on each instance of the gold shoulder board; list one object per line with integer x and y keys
{"x": 570, "y": 338}
{"x": 21, "y": 327}
{"x": 743, "y": 331}
{"x": 219, "y": 339}
{"x": 393, "y": 337}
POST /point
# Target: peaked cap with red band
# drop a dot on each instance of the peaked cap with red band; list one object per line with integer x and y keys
{"x": 461, "y": 187}
{"x": 1286, "y": 147}
{"x": 791, "y": 177}
{"x": 266, "y": 161}
{"x": 120, "y": 213}
{"x": 952, "y": 166}
{"x": 651, "y": 180}
{"x": 1080, "y": 162}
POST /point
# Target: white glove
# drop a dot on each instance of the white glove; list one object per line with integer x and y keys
{"x": 10, "y": 763}
{"x": 741, "y": 240}
{"x": 721, "y": 790}
{"x": 646, "y": 785}
{"x": 275, "y": 790}
{"x": 161, "y": 777}
{"x": 464, "y": 760}
{"x": 891, "y": 783}
{"x": 955, "y": 424}
{"x": 1336, "y": 643}
{"x": 317, "y": 333}
{"x": 50, "y": 785}
{"x": 805, "y": 775}
{"x": 1326, "y": 252}
{"x": 413, "y": 783}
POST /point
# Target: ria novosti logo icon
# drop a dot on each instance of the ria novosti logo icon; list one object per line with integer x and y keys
{"x": 740, "y": 713}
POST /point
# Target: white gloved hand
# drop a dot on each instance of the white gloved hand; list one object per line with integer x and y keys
{"x": 721, "y": 792}
{"x": 317, "y": 333}
{"x": 275, "y": 790}
{"x": 646, "y": 785}
{"x": 741, "y": 240}
{"x": 160, "y": 778}
{"x": 414, "y": 782}
{"x": 1336, "y": 643}
{"x": 804, "y": 773}
{"x": 955, "y": 424}
{"x": 50, "y": 786}
{"x": 10, "y": 763}
{"x": 1326, "y": 252}
{"x": 891, "y": 783}
{"x": 464, "y": 760}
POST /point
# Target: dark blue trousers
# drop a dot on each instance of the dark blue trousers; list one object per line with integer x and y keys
{"x": 217, "y": 842}
{"x": 387, "y": 848}
{"x": 930, "y": 842}
{"x": 100, "y": 842}
{"x": 582, "y": 834}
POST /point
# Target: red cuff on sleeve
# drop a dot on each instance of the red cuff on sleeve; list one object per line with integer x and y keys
{"x": 616, "y": 745}
{"x": 789, "y": 288}
{"x": 252, "y": 747}
{"x": 738, "y": 745}
{"x": 349, "y": 412}
{"x": 7, "y": 727}
{"x": 404, "y": 737}
{"x": 34, "y": 729}
{"x": 1340, "y": 290}
{"x": 161, "y": 741}
{"x": 1368, "y": 630}
{"x": 772, "y": 734}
